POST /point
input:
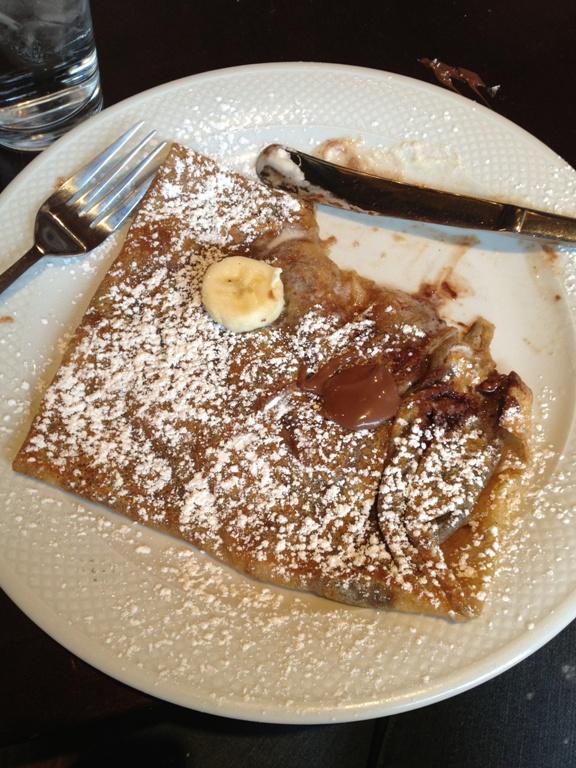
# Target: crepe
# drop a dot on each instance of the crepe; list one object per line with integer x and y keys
{"x": 167, "y": 417}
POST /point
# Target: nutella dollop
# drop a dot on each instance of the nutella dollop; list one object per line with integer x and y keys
{"x": 446, "y": 74}
{"x": 360, "y": 396}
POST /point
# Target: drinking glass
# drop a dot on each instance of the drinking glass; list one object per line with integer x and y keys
{"x": 49, "y": 78}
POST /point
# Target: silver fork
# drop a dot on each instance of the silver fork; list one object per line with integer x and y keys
{"x": 92, "y": 204}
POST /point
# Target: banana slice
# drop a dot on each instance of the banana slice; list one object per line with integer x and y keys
{"x": 242, "y": 294}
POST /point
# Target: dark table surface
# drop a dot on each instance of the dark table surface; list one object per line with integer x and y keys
{"x": 525, "y": 47}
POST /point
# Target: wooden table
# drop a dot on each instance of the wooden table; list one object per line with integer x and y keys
{"x": 526, "y": 48}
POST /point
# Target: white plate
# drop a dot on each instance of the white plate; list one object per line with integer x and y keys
{"x": 156, "y": 614}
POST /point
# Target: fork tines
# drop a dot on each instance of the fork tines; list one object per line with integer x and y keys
{"x": 107, "y": 190}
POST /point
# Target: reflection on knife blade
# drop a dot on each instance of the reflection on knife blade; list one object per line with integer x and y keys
{"x": 323, "y": 182}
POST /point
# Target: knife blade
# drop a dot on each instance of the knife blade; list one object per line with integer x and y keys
{"x": 323, "y": 182}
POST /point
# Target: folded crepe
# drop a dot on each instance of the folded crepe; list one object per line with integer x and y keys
{"x": 167, "y": 417}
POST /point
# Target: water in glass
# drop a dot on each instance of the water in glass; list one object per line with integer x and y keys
{"x": 49, "y": 76}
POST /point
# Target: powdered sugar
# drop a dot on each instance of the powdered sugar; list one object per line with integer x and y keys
{"x": 172, "y": 419}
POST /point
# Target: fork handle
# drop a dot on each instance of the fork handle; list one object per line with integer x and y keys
{"x": 20, "y": 266}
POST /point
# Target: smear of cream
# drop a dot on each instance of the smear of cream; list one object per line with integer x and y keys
{"x": 417, "y": 162}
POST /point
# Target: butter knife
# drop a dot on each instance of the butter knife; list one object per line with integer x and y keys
{"x": 320, "y": 181}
